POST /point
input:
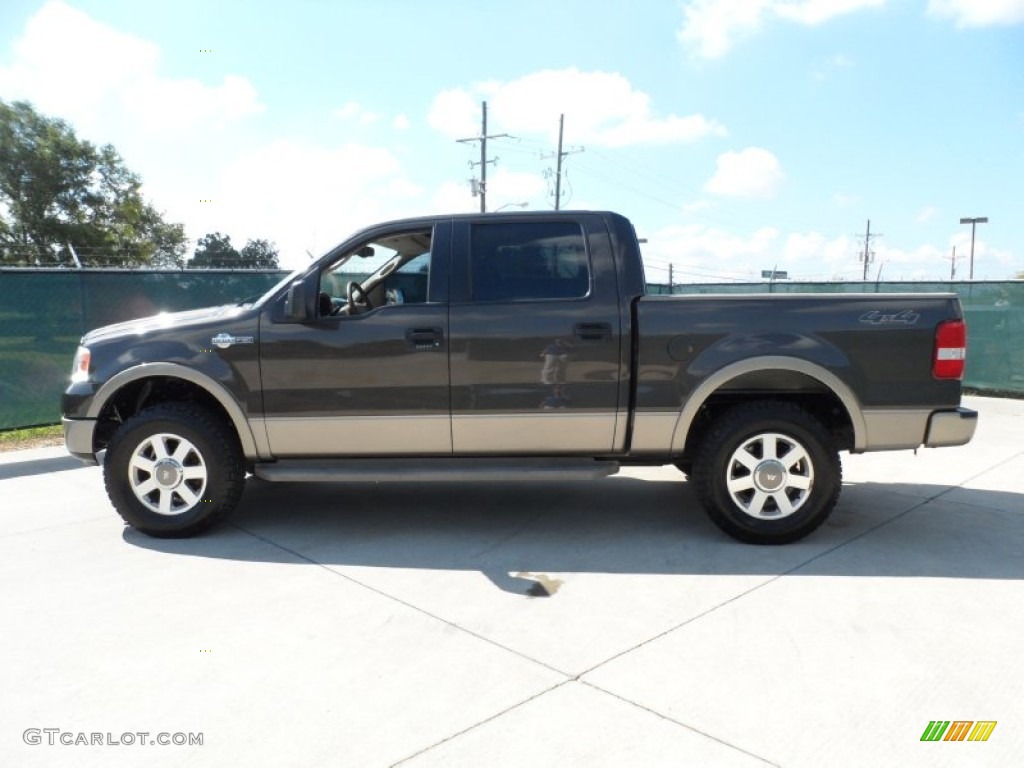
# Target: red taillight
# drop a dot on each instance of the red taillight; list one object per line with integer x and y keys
{"x": 950, "y": 350}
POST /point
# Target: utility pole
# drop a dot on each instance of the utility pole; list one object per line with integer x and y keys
{"x": 868, "y": 256}
{"x": 952, "y": 264}
{"x": 558, "y": 163}
{"x": 482, "y": 138}
{"x": 558, "y": 173}
{"x": 670, "y": 277}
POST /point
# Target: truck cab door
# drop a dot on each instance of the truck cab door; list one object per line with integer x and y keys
{"x": 535, "y": 335}
{"x": 367, "y": 373}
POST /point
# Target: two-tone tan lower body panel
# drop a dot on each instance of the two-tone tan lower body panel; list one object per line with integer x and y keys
{"x": 890, "y": 429}
{"x": 545, "y": 433}
{"x": 360, "y": 436}
{"x": 652, "y": 432}
{"x": 885, "y": 429}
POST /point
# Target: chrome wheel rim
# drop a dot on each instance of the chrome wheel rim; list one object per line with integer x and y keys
{"x": 770, "y": 476}
{"x": 167, "y": 474}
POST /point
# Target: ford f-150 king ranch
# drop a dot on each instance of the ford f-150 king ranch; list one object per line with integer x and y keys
{"x": 483, "y": 346}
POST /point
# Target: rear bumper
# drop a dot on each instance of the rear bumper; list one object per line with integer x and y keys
{"x": 955, "y": 427}
{"x": 78, "y": 438}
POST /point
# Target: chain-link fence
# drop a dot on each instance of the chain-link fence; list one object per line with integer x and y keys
{"x": 43, "y": 313}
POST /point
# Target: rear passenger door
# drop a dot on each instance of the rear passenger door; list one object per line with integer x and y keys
{"x": 534, "y": 336}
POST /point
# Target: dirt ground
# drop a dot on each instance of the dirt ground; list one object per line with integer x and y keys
{"x": 31, "y": 442}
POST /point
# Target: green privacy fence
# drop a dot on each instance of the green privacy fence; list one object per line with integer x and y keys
{"x": 43, "y": 313}
{"x": 994, "y": 312}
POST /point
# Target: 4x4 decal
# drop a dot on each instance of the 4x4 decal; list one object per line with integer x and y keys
{"x": 906, "y": 317}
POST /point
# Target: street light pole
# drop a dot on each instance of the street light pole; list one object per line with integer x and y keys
{"x": 973, "y": 222}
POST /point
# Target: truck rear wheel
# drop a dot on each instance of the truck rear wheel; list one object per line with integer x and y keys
{"x": 174, "y": 470}
{"x": 768, "y": 473}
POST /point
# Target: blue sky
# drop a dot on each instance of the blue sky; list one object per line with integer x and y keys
{"x": 738, "y": 135}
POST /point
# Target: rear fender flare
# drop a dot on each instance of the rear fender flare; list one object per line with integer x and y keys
{"x": 719, "y": 378}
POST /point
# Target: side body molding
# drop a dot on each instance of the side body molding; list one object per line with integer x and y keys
{"x": 778, "y": 363}
{"x": 250, "y": 448}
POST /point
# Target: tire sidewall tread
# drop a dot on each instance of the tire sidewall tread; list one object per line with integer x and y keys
{"x": 733, "y": 428}
{"x": 220, "y": 450}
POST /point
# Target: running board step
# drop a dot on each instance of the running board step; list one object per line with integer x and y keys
{"x": 427, "y": 470}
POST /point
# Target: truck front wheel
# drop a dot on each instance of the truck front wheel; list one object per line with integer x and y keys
{"x": 768, "y": 473}
{"x": 174, "y": 470}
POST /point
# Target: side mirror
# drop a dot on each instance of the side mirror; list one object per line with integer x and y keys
{"x": 296, "y": 304}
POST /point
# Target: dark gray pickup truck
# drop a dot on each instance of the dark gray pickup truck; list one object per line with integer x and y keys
{"x": 488, "y": 346}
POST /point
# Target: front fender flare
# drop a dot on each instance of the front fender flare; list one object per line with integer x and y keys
{"x": 250, "y": 447}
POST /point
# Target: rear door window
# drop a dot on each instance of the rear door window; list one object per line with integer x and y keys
{"x": 525, "y": 262}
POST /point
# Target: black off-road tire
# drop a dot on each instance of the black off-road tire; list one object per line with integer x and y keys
{"x": 729, "y": 453}
{"x": 203, "y": 456}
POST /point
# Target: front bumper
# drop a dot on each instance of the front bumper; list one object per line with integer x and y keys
{"x": 78, "y": 438}
{"x": 955, "y": 427}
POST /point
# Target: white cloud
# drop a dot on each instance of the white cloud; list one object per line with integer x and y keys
{"x": 844, "y": 200}
{"x": 701, "y": 253}
{"x": 601, "y": 108}
{"x": 711, "y": 27}
{"x": 752, "y": 172}
{"x": 452, "y": 197}
{"x": 990, "y": 263}
{"x": 299, "y": 194}
{"x": 303, "y": 196}
{"x": 510, "y": 187}
{"x": 926, "y": 214}
{"x": 978, "y": 13}
{"x": 401, "y": 123}
{"x": 455, "y": 114}
{"x": 80, "y": 69}
{"x": 813, "y": 12}
{"x": 504, "y": 188}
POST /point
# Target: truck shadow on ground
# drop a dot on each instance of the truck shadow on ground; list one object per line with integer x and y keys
{"x": 517, "y": 534}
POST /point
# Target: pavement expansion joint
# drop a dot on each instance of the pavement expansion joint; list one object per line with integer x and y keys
{"x": 486, "y": 720}
{"x": 679, "y": 723}
{"x": 400, "y": 601}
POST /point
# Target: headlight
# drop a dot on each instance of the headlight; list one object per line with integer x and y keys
{"x": 80, "y": 368}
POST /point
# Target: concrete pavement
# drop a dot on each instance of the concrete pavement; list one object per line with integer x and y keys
{"x": 590, "y": 624}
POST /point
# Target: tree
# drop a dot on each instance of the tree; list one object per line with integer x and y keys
{"x": 57, "y": 190}
{"x": 214, "y": 251}
{"x": 259, "y": 254}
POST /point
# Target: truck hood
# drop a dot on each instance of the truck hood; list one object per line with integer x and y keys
{"x": 175, "y": 321}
